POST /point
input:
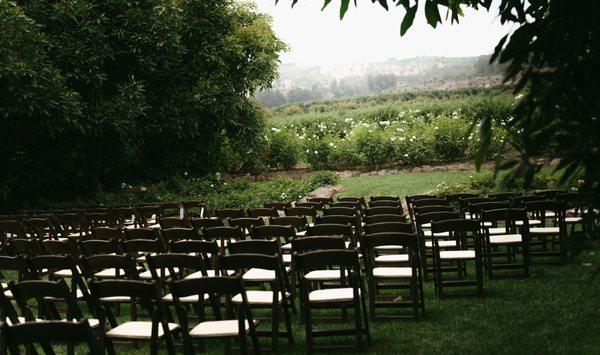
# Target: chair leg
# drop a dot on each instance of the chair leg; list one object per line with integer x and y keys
{"x": 275, "y": 326}
{"x": 358, "y": 325}
{"x": 308, "y": 329}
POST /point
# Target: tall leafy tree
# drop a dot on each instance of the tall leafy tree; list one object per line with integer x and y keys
{"x": 553, "y": 55}
{"x": 94, "y": 93}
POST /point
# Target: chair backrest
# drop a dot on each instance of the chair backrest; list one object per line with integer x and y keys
{"x": 503, "y": 196}
{"x": 508, "y": 217}
{"x": 60, "y": 247}
{"x": 360, "y": 199}
{"x": 245, "y": 261}
{"x": 316, "y": 205}
{"x": 273, "y": 232}
{"x": 383, "y": 203}
{"x": 194, "y": 208}
{"x": 99, "y": 219}
{"x": 178, "y": 264}
{"x": 40, "y": 228}
{"x": 174, "y": 222}
{"x": 223, "y": 234}
{"x": 225, "y": 213}
{"x": 389, "y": 227}
{"x": 340, "y": 211}
{"x": 384, "y": 198}
{"x": 475, "y": 209}
{"x": 124, "y": 215}
{"x": 142, "y": 233}
{"x": 107, "y": 233}
{"x": 99, "y": 246}
{"x": 300, "y": 211}
{"x": 50, "y": 332}
{"x": 379, "y": 218}
{"x": 14, "y": 264}
{"x": 354, "y": 221}
{"x": 171, "y": 234}
{"x": 458, "y": 196}
{"x": 321, "y": 200}
{"x": 459, "y": 229}
{"x": 332, "y": 229}
{"x": 72, "y": 224}
{"x": 122, "y": 265}
{"x": 148, "y": 214}
{"x": 170, "y": 209}
{"x": 12, "y": 229}
{"x": 246, "y": 223}
{"x": 262, "y": 212}
{"x": 278, "y": 206}
{"x": 298, "y": 222}
{"x": 408, "y": 241}
{"x": 424, "y": 218}
{"x": 26, "y": 247}
{"x": 372, "y": 211}
{"x": 432, "y": 208}
{"x": 136, "y": 247}
{"x": 430, "y": 202}
{"x": 255, "y": 246}
{"x": 46, "y": 295}
{"x": 520, "y": 201}
{"x": 205, "y": 250}
{"x": 201, "y": 223}
{"x": 540, "y": 209}
{"x": 305, "y": 244}
{"x": 549, "y": 194}
{"x": 357, "y": 205}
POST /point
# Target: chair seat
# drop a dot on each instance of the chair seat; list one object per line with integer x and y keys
{"x": 457, "y": 254}
{"x": 426, "y": 225}
{"x": 141, "y": 259}
{"x": 388, "y": 247}
{"x": 544, "y": 230}
{"x": 441, "y": 243}
{"x": 287, "y": 246}
{"x": 332, "y": 295}
{"x": 187, "y": 299}
{"x": 109, "y": 273}
{"x": 427, "y": 233}
{"x": 147, "y": 275}
{"x": 209, "y": 273}
{"x": 573, "y": 219}
{"x": 531, "y": 222}
{"x": 65, "y": 273}
{"x": 78, "y": 295}
{"x": 154, "y": 225}
{"x": 115, "y": 299}
{"x": 257, "y": 274}
{"x": 392, "y": 258}
{"x": 137, "y": 330}
{"x": 258, "y": 297}
{"x": 496, "y": 230}
{"x": 506, "y": 239}
{"x": 392, "y": 272}
{"x": 287, "y": 258}
{"x": 301, "y": 234}
{"x": 94, "y": 323}
{"x": 348, "y": 244}
{"x": 7, "y": 292}
{"x": 218, "y": 328}
{"x": 324, "y": 275}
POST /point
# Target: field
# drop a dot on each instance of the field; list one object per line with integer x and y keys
{"x": 556, "y": 310}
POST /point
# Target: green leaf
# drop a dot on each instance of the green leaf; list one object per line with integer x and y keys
{"x": 324, "y": 4}
{"x": 344, "y": 8}
{"x": 408, "y": 19}
{"x": 384, "y": 4}
{"x": 432, "y": 13}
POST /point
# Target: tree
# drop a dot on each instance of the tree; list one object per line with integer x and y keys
{"x": 94, "y": 93}
{"x": 553, "y": 55}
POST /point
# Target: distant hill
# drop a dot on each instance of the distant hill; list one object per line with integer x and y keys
{"x": 301, "y": 83}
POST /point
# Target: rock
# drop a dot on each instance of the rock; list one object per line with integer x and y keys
{"x": 440, "y": 168}
{"x": 555, "y": 162}
{"x": 372, "y": 173}
{"x": 416, "y": 169}
{"x": 393, "y": 171}
{"x": 382, "y": 172}
{"x": 348, "y": 173}
{"x": 427, "y": 168}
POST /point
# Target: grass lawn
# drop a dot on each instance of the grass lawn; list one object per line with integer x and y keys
{"x": 556, "y": 310}
{"x": 400, "y": 184}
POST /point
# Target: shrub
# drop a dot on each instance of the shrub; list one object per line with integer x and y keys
{"x": 343, "y": 155}
{"x": 448, "y": 135}
{"x": 322, "y": 178}
{"x": 318, "y": 152}
{"x": 372, "y": 147}
{"x": 284, "y": 149}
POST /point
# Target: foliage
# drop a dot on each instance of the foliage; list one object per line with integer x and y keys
{"x": 284, "y": 149}
{"x": 93, "y": 93}
{"x": 552, "y": 55}
{"x": 416, "y": 132}
{"x": 322, "y": 178}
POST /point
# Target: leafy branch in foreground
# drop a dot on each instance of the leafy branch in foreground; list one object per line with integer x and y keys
{"x": 552, "y": 56}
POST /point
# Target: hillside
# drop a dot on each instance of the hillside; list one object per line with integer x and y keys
{"x": 302, "y": 83}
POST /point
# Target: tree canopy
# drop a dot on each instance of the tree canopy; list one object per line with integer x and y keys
{"x": 96, "y": 92}
{"x": 553, "y": 56}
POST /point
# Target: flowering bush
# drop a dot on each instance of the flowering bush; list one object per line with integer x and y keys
{"x": 284, "y": 149}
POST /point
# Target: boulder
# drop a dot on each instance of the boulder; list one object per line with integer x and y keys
{"x": 427, "y": 168}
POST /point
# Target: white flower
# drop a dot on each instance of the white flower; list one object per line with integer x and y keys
{"x": 316, "y": 152}
{"x": 436, "y": 128}
{"x": 308, "y": 150}
{"x": 406, "y": 155}
{"x": 348, "y": 120}
{"x": 331, "y": 144}
{"x": 275, "y": 129}
{"x": 519, "y": 97}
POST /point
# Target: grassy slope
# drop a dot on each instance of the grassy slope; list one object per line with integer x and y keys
{"x": 401, "y": 184}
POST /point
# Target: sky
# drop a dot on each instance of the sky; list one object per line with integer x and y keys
{"x": 368, "y": 33}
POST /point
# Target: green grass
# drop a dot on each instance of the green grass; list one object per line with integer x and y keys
{"x": 400, "y": 184}
{"x": 556, "y": 310}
